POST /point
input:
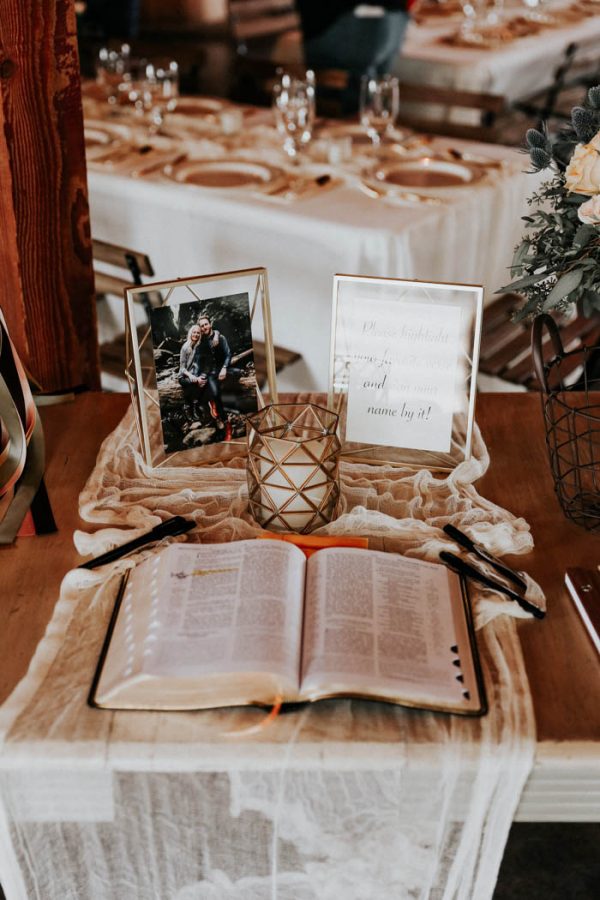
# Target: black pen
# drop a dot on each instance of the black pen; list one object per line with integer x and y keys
{"x": 172, "y": 527}
{"x": 464, "y": 568}
{"x": 469, "y": 544}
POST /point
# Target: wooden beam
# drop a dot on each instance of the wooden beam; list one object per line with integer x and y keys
{"x": 47, "y": 282}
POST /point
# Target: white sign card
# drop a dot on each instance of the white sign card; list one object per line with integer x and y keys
{"x": 403, "y": 368}
{"x": 403, "y": 374}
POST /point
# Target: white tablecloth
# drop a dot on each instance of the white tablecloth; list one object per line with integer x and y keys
{"x": 192, "y": 231}
{"x": 514, "y": 71}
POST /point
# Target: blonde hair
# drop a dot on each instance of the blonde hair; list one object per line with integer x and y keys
{"x": 188, "y": 340}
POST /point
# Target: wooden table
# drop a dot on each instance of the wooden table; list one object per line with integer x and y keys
{"x": 562, "y": 665}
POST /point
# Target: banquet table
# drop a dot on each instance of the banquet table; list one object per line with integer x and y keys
{"x": 566, "y": 692}
{"x": 53, "y": 785}
{"x": 467, "y": 237}
{"x": 514, "y": 69}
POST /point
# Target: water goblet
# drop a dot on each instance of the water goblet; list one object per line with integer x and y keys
{"x": 379, "y": 105}
{"x": 294, "y": 108}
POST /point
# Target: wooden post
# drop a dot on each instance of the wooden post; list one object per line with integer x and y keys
{"x": 46, "y": 275}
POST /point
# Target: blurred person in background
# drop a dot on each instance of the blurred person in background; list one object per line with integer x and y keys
{"x": 359, "y": 38}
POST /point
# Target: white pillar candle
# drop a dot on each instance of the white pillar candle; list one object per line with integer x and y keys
{"x": 299, "y": 468}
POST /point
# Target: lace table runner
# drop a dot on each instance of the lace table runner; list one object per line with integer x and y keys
{"x": 338, "y": 799}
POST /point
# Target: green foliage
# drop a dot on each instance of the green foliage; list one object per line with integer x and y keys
{"x": 558, "y": 261}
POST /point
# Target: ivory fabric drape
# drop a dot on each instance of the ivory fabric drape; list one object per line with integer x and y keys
{"x": 342, "y": 798}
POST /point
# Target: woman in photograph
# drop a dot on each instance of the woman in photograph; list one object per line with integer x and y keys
{"x": 188, "y": 369}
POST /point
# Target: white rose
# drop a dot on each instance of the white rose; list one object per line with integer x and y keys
{"x": 583, "y": 172}
{"x": 589, "y": 212}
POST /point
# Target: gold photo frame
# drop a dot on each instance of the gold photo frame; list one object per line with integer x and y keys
{"x": 403, "y": 367}
{"x": 198, "y": 363}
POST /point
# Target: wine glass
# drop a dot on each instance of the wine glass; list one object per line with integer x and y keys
{"x": 294, "y": 107}
{"x": 160, "y": 92}
{"x": 379, "y": 105}
{"x": 132, "y": 86}
{"x": 111, "y": 68}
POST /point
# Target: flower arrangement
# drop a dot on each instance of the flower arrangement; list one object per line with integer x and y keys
{"x": 558, "y": 259}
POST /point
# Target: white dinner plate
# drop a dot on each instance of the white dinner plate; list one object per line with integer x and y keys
{"x": 232, "y": 174}
{"x": 426, "y": 174}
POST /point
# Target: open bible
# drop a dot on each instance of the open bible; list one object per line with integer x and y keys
{"x": 253, "y": 622}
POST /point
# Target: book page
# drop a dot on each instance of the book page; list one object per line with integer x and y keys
{"x": 205, "y": 611}
{"x": 383, "y": 625}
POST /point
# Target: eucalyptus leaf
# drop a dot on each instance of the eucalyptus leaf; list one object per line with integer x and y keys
{"x": 591, "y": 302}
{"x": 526, "y": 310}
{"x": 523, "y": 282}
{"x": 583, "y": 235}
{"x": 520, "y": 254}
{"x": 563, "y": 287}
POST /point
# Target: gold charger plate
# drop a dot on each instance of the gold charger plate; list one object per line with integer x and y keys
{"x": 426, "y": 174}
{"x": 230, "y": 174}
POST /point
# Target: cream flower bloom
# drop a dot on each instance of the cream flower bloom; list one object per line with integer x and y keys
{"x": 583, "y": 171}
{"x": 589, "y": 212}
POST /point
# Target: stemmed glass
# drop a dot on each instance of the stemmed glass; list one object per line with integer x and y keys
{"x": 132, "y": 85}
{"x": 152, "y": 89}
{"x": 160, "y": 92}
{"x": 294, "y": 107}
{"x": 111, "y": 69}
{"x": 379, "y": 105}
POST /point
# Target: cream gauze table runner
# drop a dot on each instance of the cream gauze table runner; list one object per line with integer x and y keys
{"x": 339, "y": 799}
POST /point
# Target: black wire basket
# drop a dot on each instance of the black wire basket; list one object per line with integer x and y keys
{"x": 571, "y": 408}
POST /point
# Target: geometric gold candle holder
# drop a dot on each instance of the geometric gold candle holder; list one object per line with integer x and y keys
{"x": 293, "y": 457}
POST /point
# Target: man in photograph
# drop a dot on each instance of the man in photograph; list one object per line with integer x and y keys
{"x": 211, "y": 363}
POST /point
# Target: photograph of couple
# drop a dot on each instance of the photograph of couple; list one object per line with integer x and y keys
{"x": 204, "y": 370}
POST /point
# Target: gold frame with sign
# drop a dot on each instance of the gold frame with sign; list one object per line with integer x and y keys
{"x": 351, "y": 296}
{"x": 141, "y": 372}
